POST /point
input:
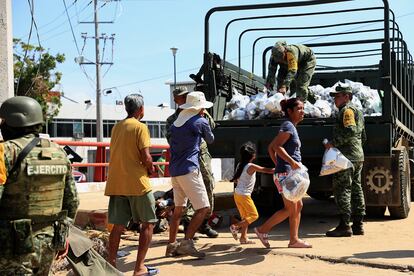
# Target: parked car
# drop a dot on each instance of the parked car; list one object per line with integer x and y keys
{"x": 78, "y": 176}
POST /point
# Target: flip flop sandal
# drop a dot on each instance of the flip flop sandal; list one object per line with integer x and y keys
{"x": 263, "y": 237}
{"x": 151, "y": 271}
{"x": 300, "y": 244}
{"x": 248, "y": 241}
{"x": 234, "y": 232}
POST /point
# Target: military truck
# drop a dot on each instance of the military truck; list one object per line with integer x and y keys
{"x": 362, "y": 42}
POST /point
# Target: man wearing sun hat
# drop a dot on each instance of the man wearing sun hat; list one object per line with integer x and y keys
{"x": 186, "y": 134}
{"x": 348, "y": 137}
{"x": 180, "y": 94}
{"x": 296, "y": 67}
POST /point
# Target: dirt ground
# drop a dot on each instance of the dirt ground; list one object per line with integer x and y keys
{"x": 387, "y": 248}
{"x": 387, "y": 244}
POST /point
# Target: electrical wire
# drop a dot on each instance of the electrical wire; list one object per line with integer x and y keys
{"x": 25, "y": 53}
{"x": 55, "y": 19}
{"x": 154, "y": 78}
{"x": 71, "y": 27}
{"x": 31, "y": 6}
{"x": 112, "y": 58}
{"x": 67, "y": 30}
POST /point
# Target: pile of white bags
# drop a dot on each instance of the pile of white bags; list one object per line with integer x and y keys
{"x": 258, "y": 106}
{"x": 266, "y": 104}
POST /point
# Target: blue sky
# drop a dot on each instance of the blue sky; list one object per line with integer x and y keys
{"x": 145, "y": 30}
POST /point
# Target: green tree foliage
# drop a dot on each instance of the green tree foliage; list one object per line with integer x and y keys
{"x": 35, "y": 75}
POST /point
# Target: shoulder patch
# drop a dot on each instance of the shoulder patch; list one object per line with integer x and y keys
{"x": 292, "y": 62}
{"x": 349, "y": 118}
{"x": 3, "y": 171}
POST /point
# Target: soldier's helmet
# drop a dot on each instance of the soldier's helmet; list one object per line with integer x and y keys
{"x": 21, "y": 111}
{"x": 279, "y": 49}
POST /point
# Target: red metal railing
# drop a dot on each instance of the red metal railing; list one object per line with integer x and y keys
{"x": 100, "y": 158}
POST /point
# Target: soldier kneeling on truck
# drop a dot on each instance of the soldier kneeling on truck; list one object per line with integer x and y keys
{"x": 296, "y": 67}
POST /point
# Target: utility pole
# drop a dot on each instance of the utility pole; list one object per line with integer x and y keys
{"x": 98, "y": 63}
{"x": 99, "y": 121}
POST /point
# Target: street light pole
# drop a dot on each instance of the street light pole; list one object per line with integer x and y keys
{"x": 174, "y": 52}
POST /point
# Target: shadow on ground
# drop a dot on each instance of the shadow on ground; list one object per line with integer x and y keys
{"x": 391, "y": 254}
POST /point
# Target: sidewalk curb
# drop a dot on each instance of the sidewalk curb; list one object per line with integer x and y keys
{"x": 346, "y": 260}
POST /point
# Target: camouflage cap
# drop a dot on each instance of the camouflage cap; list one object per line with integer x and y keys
{"x": 341, "y": 88}
{"x": 179, "y": 91}
{"x": 279, "y": 49}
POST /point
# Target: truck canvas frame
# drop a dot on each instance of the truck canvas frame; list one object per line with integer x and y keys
{"x": 370, "y": 50}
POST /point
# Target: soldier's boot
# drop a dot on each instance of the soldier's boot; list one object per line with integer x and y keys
{"x": 358, "y": 225}
{"x": 342, "y": 230}
{"x": 206, "y": 229}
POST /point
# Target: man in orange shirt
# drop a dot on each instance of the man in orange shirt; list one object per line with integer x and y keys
{"x": 128, "y": 184}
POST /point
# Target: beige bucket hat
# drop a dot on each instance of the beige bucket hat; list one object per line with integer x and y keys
{"x": 195, "y": 101}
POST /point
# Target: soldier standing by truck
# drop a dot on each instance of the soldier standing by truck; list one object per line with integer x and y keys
{"x": 348, "y": 137}
{"x": 297, "y": 64}
{"x": 180, "y": 94}
{"x": 37, "y": 191}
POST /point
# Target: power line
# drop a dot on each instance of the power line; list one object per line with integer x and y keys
{"x": 67, "y": 30}
{"x": 154, "y": 78}
{"x": 25, "y": 52}
{"x": 55, "y": 19}
{"x": 40, "y": 45}
{"x": 71, "y": 28}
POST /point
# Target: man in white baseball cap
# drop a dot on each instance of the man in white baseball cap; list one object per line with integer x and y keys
{"x": 186, "y": 134}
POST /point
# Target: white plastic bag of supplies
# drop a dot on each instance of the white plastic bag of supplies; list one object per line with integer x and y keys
{"x": 295, "y": 184}
{"x": 334, "y": 161}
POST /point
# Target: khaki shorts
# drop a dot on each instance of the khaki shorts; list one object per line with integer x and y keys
{"x": 140, "y": 208}
{"x": 190, "y": 187}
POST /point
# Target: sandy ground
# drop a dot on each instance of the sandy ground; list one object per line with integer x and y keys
{"x": 387, "y": 244}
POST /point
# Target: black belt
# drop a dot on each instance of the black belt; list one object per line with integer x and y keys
{"x": 44, "y": 220}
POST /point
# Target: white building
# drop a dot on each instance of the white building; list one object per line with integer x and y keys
{"x": 77, "y": 121}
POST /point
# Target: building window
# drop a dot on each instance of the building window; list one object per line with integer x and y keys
{"x": 107, "y": 126}
{"x": 163, "y": 130}
{"x": 64, "y": 129}
{"x": 89, "y": 128}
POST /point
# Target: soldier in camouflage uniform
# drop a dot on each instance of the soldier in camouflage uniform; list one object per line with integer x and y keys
{"x": 348, "y": 137}
{"x": 297, "y": 64}
{"x": 180, "y": 94}
{"x": 36, "y": 194}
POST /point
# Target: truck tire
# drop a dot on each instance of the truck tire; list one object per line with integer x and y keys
{"x": 320, "y": 195}
{"x": 375, "y": 211}
{"x": 401, "y": 212}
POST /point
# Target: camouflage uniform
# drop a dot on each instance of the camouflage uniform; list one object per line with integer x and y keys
{"x": 34, "y": 197}
{"x": 349, "y": 135}
{"x": 205, "y": 164}
{"x": 295, "y": 71}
